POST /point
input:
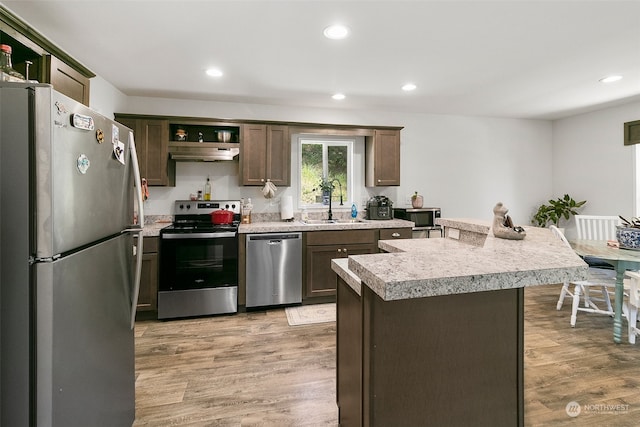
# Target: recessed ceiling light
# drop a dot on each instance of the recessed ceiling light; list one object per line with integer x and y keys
{"x": 409, "y": 87}
{"x": 214, "y": 72}
{"x": 338, "y": 96}
{"x": 336, "y": 32}
{"x": 610, "y": 79}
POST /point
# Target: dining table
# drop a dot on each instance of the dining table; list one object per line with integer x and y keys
{"x": 622, "y": 260}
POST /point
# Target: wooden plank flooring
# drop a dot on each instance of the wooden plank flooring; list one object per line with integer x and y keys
{"x": 253, "y": 369}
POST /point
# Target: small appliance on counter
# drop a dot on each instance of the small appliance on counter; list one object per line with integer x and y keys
{"x": 379, "y": 207}
{"x": 424, "y": 219}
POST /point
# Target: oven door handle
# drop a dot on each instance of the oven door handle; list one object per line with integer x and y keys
{"x": 184, "y": 236}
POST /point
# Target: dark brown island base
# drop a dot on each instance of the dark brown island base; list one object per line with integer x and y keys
{"x": 431, "y": 333}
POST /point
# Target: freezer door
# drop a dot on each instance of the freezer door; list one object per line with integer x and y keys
{"x": 82, "y": 171}
{"x": 84, "y": 343}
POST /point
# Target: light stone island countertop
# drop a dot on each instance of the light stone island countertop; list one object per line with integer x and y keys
{"x": 297, "y": 225}
{"x": 417, "y": 268}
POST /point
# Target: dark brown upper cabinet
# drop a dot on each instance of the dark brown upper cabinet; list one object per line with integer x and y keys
{"x": 382, "y": 158}
{"x": 265, "y": 153}
{"x": 632, "y": 133}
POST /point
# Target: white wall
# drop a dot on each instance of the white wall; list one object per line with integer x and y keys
{"x": 463, "y": 165}
{"x": 591, "y": 163}
{"x": 105, "y": 98}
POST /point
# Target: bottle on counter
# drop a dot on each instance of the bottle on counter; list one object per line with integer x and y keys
{"x": 354, "y": 212}
{"x": 304, "y": 215}
{"x": 7, "y": 73}
{"x": 207, "y": 190}
{"x": 245, "y": 211}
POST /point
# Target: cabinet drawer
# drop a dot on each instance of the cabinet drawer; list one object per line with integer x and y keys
{"x": 340, "y": 237}
{"x": 395, "y": 233}
{"x": 149, "y": 245}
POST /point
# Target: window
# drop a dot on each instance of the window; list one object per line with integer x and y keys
{"x": 328, "y": 159}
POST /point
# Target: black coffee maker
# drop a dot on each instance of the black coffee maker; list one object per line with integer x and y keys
{"x": 379, "y": 207}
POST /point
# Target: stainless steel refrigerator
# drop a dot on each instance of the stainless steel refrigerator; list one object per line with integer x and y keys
{"x": 69, "y": 275}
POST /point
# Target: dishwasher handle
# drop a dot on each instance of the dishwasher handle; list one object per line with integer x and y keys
{"x": 272, "y": 237}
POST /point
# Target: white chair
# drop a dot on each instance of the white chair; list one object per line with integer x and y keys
{"x": 632, "y": 303}
{"x": 603, "y": 279}
{"x": 597, "y": 227}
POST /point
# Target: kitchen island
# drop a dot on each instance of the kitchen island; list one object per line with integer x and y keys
{"x": 431, "y": 333}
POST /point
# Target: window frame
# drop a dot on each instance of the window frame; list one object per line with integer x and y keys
{"x": 326, "y": 142}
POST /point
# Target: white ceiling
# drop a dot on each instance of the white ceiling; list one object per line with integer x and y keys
{"x": 510, "y": 58}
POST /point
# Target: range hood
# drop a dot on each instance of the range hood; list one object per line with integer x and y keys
{"x": 199, "y": 152}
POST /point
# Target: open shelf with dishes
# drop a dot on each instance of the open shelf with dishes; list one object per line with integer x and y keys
{"x": 218, "y": 133}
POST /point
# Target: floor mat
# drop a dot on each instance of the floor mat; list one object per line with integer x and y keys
{"x": 309, "y": 314}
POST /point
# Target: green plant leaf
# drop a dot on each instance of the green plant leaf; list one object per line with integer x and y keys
{"x": 555, "y": 210}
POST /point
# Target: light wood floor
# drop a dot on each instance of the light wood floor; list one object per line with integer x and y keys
{"x": 252, "y": 369}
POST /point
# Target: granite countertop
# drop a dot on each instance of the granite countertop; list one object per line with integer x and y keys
{"x": 347, "y": 275}
{"x": 154, "y": 223}
{"x": 296, "y": 225}
{"x": 416, "y": 268}
{"x": 467, "y": 224}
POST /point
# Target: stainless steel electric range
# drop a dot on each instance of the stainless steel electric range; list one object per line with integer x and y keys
{"x": 199, "y": 260}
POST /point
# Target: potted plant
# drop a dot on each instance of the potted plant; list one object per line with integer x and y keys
{"x": 327, "y": 188}
{"x": 562, "y": 207}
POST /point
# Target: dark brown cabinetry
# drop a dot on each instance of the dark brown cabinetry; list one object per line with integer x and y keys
{"x": 632, "y": 133}
{"x": 148, "y": 295}
{"x": 265, "y": 153}
{"x": 403, "y": 362}
{"x": 395, "y": 233}
{"x": 322, "y": 247}
{"x": 349, "y": 367}
{"x": 152, "y": 147}
{"x": 66, "y": 79}
{"x": 382, "y": 158}
{"x": 46, "y": 62}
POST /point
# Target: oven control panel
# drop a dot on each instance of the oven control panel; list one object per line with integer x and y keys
{"x": 194, "y": 207}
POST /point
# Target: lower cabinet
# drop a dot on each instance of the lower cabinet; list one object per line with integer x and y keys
{"x": 402, "y": 362}
{"x": 395, "y": 233}
{"x": 148, "y": 296}
{"x": 349, "y": 361}
{"x": 322, "y": 247}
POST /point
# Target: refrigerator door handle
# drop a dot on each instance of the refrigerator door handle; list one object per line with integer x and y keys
{"x": 136, "y": 281}
{"x": 139, "y": 250}
{"x": 137, "y": 179}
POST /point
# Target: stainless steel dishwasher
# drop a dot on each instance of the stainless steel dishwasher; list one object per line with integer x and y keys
{"x": 274, "y": 269}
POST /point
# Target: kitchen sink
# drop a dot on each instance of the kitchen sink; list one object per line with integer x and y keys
{"x": 330, "y": 221}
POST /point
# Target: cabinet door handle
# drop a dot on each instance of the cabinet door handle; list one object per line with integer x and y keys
{"x": 339, "y": 250}
{"x": 344, "y": 250}
{"x": 395, "y": 234}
